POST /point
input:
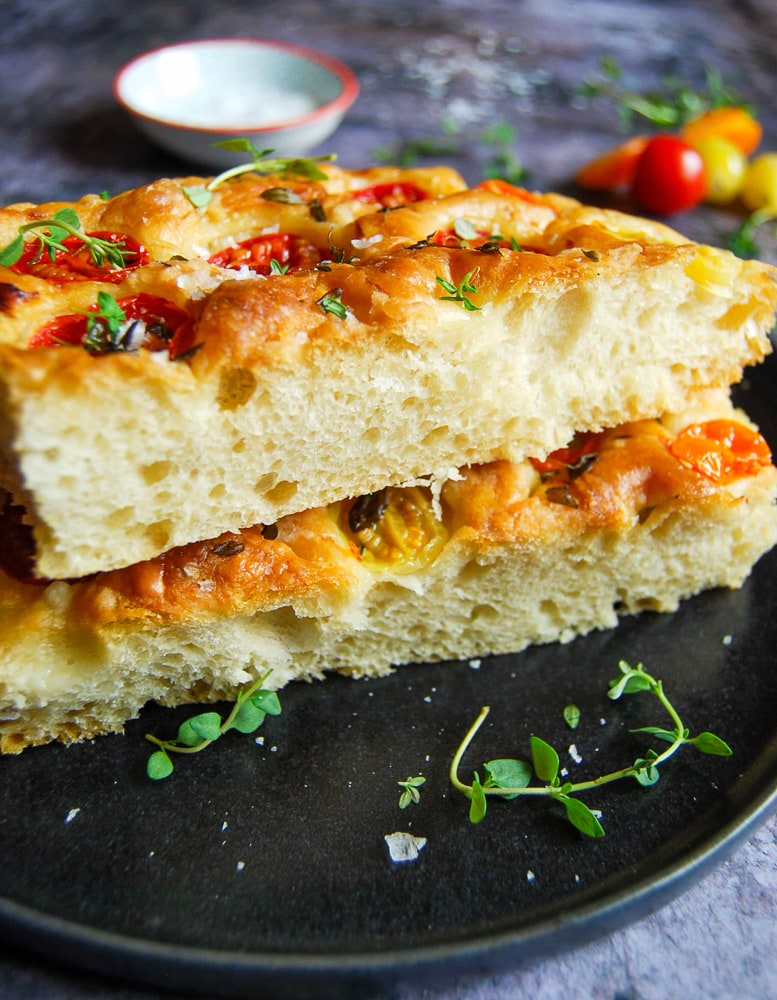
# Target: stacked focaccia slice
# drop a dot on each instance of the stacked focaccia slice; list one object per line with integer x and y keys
{"x": 343, "y": 422}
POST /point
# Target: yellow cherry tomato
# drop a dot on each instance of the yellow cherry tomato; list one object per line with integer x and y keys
{"x": 725, "y": 167}
{"x": 759, "y": 189}
{"x": 736, "y": 125}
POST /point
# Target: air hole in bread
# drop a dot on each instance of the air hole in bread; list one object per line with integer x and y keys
{"x": 156, "y": 472}
{"x": 282, "y": 492}
{"x": 218, "y": 492}
{"x": 236, "y": 387}
{"x": 159, "y": 534}
{"x": 432, "y": 437}
{"x": 120, "y": 518}
{"x": 483, "y": 612}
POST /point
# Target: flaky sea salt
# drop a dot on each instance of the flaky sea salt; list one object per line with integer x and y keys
{"x": 404, "y": 846}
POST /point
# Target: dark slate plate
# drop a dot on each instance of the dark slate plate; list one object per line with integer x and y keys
{"x": 262, "y": 870}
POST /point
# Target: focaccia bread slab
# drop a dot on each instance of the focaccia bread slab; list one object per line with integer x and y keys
{"x": 465, "y": 327}
{"x": 630, "y": 519}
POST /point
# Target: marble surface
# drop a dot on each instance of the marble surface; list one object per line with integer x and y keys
{"x": 420, "y": 64}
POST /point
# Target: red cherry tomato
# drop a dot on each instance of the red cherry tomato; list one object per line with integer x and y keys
{"x": 257, "y": 253}
{"x": 391, "y": 195}
{"x": 169, "y": 326}
{"x": 75, "y": 262}
{"x": 669, "y": 176}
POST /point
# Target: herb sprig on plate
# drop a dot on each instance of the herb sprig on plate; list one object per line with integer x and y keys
{"x": 510, "y": 778}
{"x": 252, "y": 705}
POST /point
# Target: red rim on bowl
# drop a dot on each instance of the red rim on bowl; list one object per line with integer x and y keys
{"x": 346, "y": 76}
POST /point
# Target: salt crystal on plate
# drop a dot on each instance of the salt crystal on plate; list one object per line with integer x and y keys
{"x": 404, "y": 846}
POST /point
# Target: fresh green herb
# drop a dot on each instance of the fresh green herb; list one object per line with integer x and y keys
{"x": 252, "y": 705}
{"x": 332, "y": 303}
{"x": 283, "y": 166}
{"x": 51, "y": 232}
{"x": 572, "y": 716}
{"x": 277, "y": 268}
{"x": 670, "y": 107}
{"x": 509, "y": 778}
{"x": 460, "y": 292}
{"x": 742, "y": 241}
{"x": 109, "y": 330}
{"x": 410, "y": 791}
{"x": 105, "y": 195}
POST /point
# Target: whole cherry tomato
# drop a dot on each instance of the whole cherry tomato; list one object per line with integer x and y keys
{"x": 669, "y": 176}
{"x": 615, "y": 168}
{"x": 734, "y": 124}
{"x": 725, "y": 167}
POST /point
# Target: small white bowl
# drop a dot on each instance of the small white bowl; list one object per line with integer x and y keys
{"x": 190, "y": 95}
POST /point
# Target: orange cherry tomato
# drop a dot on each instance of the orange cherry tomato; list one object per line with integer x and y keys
{"x": 75, "y": 262}
{"x": 614, "y": 169}
{"x": 391, "y": 195}
{"x": 168, "y": 325}
{"x": 734, "y": 124}
{"x": 257, "y": 253}
{"x": 721, "y": 450}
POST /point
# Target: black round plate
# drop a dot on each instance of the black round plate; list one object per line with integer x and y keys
{"x": 262, "y": 869}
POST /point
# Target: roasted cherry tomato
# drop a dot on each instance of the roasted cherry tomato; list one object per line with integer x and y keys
{"x": 669, "y": 176}
{"x": 734, "y": 124}
{"x": 721, "y": 450}
{"x": 75, "y": 262}
{"x": 614, "y": 169}
{"x": 575, "y": 453}
{"x": 391, "y": 195}
{"x": 257, "y": 253}
{"x": 168, "y": 326}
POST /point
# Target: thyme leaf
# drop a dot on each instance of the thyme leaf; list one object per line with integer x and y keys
{"x": 332, "y": 303}
{"x": 462, "y": 291}
{"x": 410, "y": 793}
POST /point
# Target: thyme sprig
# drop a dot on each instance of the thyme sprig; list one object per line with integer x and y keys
{"x": 462, "y": 291}
{"x": 51, "y": 233}
{"x": 673, "y": 106}
{"x": 286, "y": 167}
{"x": 252, "y": 705}
{"x": 742, "y": 241}
{"x": 509, "y": 778}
